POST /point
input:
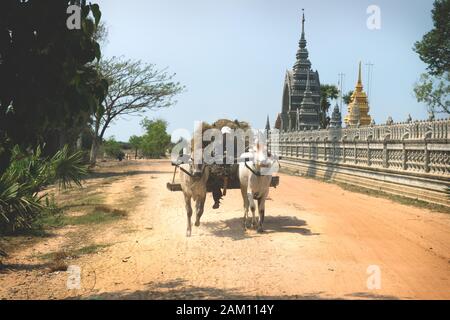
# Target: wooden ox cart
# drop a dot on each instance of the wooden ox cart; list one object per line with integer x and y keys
{"x": 224, "y": 181}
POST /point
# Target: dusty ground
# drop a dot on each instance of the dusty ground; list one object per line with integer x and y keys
{"x": 319, "y": 242}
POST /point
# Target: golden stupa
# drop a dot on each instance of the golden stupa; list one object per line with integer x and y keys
{"x": 358, "y": 108}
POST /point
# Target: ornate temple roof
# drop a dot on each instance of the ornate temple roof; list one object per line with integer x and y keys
{"x": 358, "y": 108}
{"x": 302, "y": 62}
{"x": 295, "y": 114}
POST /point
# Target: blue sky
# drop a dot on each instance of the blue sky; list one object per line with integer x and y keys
{"x": 232, "y": 55}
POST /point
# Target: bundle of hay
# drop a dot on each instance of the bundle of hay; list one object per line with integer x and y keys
{"x": 221, "y": 123}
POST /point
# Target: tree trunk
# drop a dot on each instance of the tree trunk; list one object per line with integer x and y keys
{"x": 98, "y": 138}
{"x": 94, "y": 146}
{"x": 94, "y": 150}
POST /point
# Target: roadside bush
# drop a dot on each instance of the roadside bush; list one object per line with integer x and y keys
{"x": 27, "y": 175}
{"x": 113, "y": 149}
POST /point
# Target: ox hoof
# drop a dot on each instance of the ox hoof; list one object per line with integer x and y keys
{"x": 188, "y": 233}
{"x": 197, "y": 223}
{"x": 260, "y": 230}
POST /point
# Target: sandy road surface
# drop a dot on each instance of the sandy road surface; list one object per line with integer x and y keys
{"x": 319, "y": 242}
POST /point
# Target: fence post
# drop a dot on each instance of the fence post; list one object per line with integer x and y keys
{"x": 404, "y": 155}
{"x": 343, "y": 150}
{"x": 427, "y": 157}
{"x": 385, "y": 151}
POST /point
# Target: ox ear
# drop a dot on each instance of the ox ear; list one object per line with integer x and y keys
{"x": 245, "y": 157}
{"x": 180, "y": 160}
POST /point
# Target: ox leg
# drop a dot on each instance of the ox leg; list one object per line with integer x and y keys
{"x": 187, "y": 201}
{"x": 261, "y": 211}
{"x": 199, "y": 208}
{"x": 246, "y": 205}
{"x": 251, "y": 201}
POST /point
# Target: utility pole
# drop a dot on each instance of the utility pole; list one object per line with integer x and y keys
{"x": 369, "y": 79}
{"x": 341, "y": 89}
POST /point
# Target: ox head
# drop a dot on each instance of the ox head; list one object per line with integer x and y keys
{"x": 261, "y": 159}
{"x": 197, "y": 169}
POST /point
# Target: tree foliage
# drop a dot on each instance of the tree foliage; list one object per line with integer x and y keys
{"x": 22, "y": 183}
{"x": 434, "y": 48}
{"x": 135, "y": 143}
{"x": 48, "y": 88}
{"x": 435, "y": 92}
{"x": 433, "y": 87}
{"x": 347, "y": 97}
{"x": 113, "y": 148}
{"x": 134, "y": 88}
{"x": 328, "y": 93}
{"x": 155, "y": 142}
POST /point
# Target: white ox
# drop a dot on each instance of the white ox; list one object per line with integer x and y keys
{"x": 193, "y": 180}
{"x": 255, "y": 176}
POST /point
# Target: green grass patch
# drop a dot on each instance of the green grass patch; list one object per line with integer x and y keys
{"x": 75, "y": 253}
{"x": 100, "y": 214}
{"x": 97, "y": 215}
{"x": 92, "y": 199}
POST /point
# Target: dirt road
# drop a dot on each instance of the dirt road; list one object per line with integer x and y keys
{"x": 319, "y": 243}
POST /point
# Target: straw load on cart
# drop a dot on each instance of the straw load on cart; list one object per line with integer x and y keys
{"x": 222, "y": 176}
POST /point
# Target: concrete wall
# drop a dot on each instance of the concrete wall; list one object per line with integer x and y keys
{"x": 407, "y": 159}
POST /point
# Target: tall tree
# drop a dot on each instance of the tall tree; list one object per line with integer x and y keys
{"x": 433, "y": 87}
{"x": 48, "y": 88}
{"x": 134, "y": 88}
{"x": 328, "y": 93}
{"x": 347, "y": 97}
{"x": 155, "y": 142}
{"x": 435, "y": 92}
{"x": 434, "y": 48}
{"x": 135, "y": 142}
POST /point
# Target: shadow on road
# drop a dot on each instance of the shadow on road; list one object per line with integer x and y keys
{"x": 111, "y": 174}
{"x": 10, "y": 268}
{"x": 371, "y": 296}
{"x": 179, "y": 289}
{"x": 233, "y": 228}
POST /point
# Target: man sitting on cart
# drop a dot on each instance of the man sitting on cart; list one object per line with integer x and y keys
{"x": 220, "y": 174}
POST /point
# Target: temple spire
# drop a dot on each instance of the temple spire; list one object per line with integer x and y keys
{"x": 302, "y": 53}
{"x": 308, "y": 85}
{"x": 359, "y": 85}
{"x": 358, "y": 109}
{"x": 359, "y": 74}
{"x": 303, "y": 23}
{"x": 303, "y": 38}
{"x": 268, "y": 124}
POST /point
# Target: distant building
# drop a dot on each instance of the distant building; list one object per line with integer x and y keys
{"x": 301, "y": 94}
{"x": 358, "y": 108}
{"x": 336, "y": 118}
